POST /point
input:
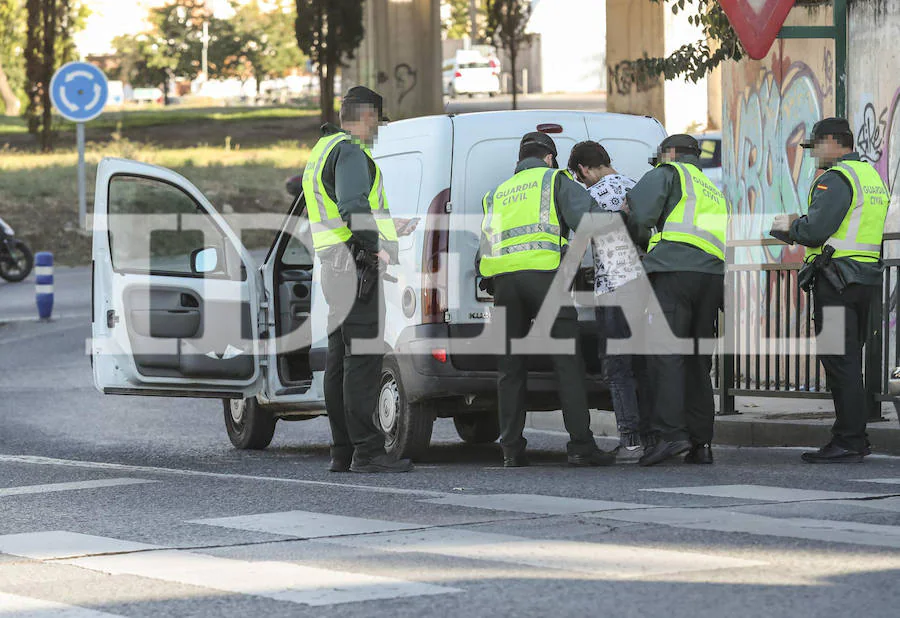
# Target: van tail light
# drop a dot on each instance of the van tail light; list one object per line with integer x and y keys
{"x": 550, "y": 128}
{"x": 434, "y": 260}
{"x": 457, "y": 74}
{"x": 439, "y": 354}
{"x": 493, "y": 63}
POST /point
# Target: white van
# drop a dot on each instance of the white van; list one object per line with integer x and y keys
{"x": 470, "y": 73}
{"x": 151, "y": 319}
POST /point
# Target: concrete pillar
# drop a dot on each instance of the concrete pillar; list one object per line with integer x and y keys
{"x": 633, "y": 29}
{"x": 400, "y": 56}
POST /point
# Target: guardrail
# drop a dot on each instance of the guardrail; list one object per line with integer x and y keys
{"x": 770, "y": 327}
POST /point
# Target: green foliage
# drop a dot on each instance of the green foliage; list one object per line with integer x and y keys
{"x": 176, "y": 37}
{"x": 255, "y": 43}
{"x": 12, "y": 60}
{"x": 459, "y": 26}
{"x": 506, "y": 25}
{"x": 694, "y": 61}
{"x": 329, "y": 32}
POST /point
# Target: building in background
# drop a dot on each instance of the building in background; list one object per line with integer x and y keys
{"x": 572, "y": 44}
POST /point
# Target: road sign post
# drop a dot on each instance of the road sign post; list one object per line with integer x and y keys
{"x": 79, "y": 91}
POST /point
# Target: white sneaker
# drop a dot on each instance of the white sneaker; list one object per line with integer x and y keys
{"x": 628, "y": 453}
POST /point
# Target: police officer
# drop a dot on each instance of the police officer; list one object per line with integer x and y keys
{"x": 847, "y": 208}
{"x": 351, "y": 224}
{"x": 526, "y": 223}
{"x": 681, "y": 217}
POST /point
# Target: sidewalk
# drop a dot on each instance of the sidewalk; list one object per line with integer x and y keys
{"x": 763, "y": 421}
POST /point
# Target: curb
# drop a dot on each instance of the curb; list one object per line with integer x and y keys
{"x": 744, "y": 430}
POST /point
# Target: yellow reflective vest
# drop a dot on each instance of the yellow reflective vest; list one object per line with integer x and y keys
{"x": 860, "y": 235}
{"x": 327, "y": 226}
{"x": 700, "y": 218}
{"x": 522, "y": 225}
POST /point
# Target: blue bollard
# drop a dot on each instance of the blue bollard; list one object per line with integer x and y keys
{"x": 43, "y": 289}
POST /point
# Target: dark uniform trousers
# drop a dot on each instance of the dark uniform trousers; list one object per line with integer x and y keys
{"x": 683, "y": 405}
{"x": 844, "y": 372}
{"x": 521, "y": 295}
{"x": 352, "y": 381}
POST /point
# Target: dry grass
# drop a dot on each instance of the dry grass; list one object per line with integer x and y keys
{"x": 38, "y": 193}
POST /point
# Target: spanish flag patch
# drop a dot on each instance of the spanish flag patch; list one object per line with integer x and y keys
{"x": 822, "y": 187}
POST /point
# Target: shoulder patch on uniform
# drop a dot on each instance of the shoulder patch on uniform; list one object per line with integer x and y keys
{"x": 822, "y": 187}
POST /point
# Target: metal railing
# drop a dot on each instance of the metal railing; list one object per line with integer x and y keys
{"x": 770, "y": 334}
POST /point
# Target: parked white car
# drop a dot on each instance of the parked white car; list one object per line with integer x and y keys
{"x": 711, "y": 156}
{"x": 471, "y": 73}
{"x": 183, "y": 292}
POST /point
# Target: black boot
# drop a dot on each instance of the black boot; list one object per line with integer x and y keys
{"x": 699, "y": 454}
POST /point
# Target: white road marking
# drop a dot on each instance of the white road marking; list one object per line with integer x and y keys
{"x": 533, "y": 503}
{"x": 282, "y": 581}
{"x": 889, "y": 481}
{"x": 611, "y": 561}
{"x": 307, "y": 525}
{"x": 27, "y": 607}
{"x": 98, "y": 465}
{"x": 765, "y": 493}
{"x": 59, "y": 544}
{"x": 54, "y": 487}
{"x": 599, "y": 559}
{"x": 789, "y": 527}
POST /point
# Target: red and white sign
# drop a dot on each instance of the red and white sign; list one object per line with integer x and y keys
{"x": 757, "y": 22}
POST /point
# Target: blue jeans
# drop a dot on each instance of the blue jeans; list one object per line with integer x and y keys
{"x": 625, "y": 374}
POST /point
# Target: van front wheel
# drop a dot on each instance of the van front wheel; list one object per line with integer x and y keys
{"x": 406, "y": 427}
{"x": 248, "y": 426}
{"x": 478, "y": 428}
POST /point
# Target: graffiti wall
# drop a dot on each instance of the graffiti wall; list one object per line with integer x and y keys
{"x": 770, "y": 106}
{"x": 873, "y": 89}
{"x": 873, "y": 101}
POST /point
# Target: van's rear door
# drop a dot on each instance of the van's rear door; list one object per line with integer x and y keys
{"x": 629, "y": 140}
{"x": 485, "y": 150}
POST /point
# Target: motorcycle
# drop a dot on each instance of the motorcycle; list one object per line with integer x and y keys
{"x": 16, "y": 258}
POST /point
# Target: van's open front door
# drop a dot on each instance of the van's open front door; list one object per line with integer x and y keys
{"x": 175, "y": 294}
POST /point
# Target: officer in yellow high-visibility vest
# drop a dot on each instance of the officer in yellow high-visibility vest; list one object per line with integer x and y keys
{"x": 349, "y": 219}
{"x": 847, "y": 208}
{"x": 681, "y": 217}
{"x": 526, "y": 223}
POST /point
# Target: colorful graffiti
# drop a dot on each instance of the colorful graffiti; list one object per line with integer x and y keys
{"x": 764, "y": 168}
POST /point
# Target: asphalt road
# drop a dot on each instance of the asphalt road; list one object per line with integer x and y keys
{"x": 114, "y": 506}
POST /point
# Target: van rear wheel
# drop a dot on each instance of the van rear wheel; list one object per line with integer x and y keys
{"x": 479, "y": 428}
{"x": 406, "y": 427}
{"x": 248, "y": 426}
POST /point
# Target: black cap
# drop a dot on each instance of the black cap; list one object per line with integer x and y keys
{"x": 679, "y": 140}
{"x": 361, "y": 94}
{"x": 828, "y": 126}
{"x": 536, "y": 138}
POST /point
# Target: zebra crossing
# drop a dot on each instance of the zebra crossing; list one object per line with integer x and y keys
{"x": 296, "y": 580}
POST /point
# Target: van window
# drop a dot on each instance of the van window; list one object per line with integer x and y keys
{"x": 475, "y": 65}
{"x": 629, "y": 156}
{"x": 491, "y": 162}
{"x": 402, "y": 182}
{"x": 710, "y": 152}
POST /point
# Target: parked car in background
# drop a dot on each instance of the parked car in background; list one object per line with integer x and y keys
{"x": 471, "y": 73}
{"x": 711, "y": 156}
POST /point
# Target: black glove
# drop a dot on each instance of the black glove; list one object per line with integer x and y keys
{"x": 486, "y": 285}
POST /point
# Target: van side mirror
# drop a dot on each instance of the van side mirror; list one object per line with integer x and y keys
{"x": 204, "y": 260}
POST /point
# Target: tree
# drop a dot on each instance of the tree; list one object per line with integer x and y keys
{"x": 175, "y": 40}
{"x": 694, "y": 61}
{"x": 459, "y": 24}
{"x": 142, "y": 62}
{"x": 329, "y": 32}
{"x": 48, "y": 45}
{"x": 266, "y": 40}
{"x": 507, "y": 21}
{"x": 12, "y": 39}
